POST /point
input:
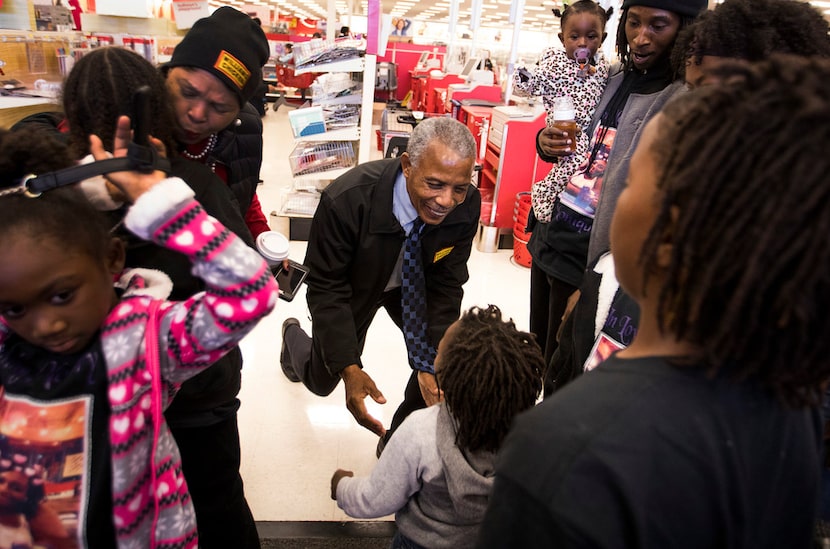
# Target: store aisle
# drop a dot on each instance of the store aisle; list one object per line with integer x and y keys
{"x": 292, "y": 440}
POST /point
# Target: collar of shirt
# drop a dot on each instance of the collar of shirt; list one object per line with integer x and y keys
{"x": 402, "y": 206}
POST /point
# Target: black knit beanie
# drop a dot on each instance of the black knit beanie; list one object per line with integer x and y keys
{"x": 689, "y": 8}
{"x": 230, "y": 46}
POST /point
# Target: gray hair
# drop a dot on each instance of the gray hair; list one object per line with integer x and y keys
{"x": 448, "y": 131}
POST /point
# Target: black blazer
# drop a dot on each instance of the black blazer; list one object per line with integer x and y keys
{"x": 353, "y": 247}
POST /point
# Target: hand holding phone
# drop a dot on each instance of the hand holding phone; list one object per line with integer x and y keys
{"x": 289, "y": 280}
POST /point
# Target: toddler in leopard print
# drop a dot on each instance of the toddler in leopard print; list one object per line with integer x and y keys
{"x": 564, "y": 72}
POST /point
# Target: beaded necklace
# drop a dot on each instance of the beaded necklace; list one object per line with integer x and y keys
{"x": 209, "y": 147}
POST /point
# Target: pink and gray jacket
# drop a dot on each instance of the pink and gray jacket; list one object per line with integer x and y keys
{"x": 152, "y": 506}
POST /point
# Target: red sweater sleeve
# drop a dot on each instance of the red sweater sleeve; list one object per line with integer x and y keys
{"x": 255, "y": 219}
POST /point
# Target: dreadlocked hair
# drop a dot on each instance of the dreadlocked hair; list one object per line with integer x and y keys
{"x": 99, "y": 89}
{"x": 755, "y": 29}
{"x": 743, "y": 171}
{"x": 489, "y": 372}
{"x": 62, "y": 215}
{"x": 622, "y": 40}
{"x": 582, "y": 6}
{"x": 685, "y": 45}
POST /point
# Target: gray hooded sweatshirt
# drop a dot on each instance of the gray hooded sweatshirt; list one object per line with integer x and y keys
{"x": 437, "y": 492}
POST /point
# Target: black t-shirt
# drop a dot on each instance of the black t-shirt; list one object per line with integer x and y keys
{"x": 54, "y": 416}
{"x": 638, "y": 453}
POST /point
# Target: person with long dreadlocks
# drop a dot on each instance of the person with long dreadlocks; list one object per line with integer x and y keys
{"x": 751, "y": 30}
{"x": 604, "y": 318}
{"x": 637, "y": 87}
{"x": 436, "y": 473}
{"x": 705, "y": 431}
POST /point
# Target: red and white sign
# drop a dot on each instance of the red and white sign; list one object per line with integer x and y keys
{"x": 187, "y": 12}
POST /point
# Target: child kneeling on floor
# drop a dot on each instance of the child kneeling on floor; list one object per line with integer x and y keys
{"x": 91, "y": 354}
{"x": 436, "y": 473}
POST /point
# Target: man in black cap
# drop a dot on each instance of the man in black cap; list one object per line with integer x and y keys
{"x": 637, "y": 88}
{"x": 213, "y": 73}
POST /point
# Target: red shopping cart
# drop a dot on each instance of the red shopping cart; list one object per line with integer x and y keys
{"x": 286, "y": 78}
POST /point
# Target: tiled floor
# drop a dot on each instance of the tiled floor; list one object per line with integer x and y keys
{"x": 292, "y": 440}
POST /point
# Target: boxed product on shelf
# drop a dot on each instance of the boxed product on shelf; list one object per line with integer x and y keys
{"x": 390, "y": 128}
{"x": 310, "y": 158}
{"x": 307, "y": 121}
{"x": 341, "y": 116}
{"x": 318, "y": 51}
{"x": 337, "y": 87}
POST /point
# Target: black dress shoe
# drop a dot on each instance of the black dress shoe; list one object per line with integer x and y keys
{"x": 285, "y": 361}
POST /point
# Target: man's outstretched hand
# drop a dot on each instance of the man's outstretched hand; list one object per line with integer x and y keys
{"x": 358, "y": 386}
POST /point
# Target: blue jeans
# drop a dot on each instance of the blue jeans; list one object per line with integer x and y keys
{"x": 402, "y": 542}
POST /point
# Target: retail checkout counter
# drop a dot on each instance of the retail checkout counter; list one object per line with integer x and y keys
{"x": 13, "y": 109}
{"x": 433, "y": 91}
{"x": 479, "y": 86}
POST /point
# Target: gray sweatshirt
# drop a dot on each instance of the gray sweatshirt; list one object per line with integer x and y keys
{"x": 437, "y": 492}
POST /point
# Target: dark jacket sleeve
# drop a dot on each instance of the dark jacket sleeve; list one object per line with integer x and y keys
{"x": 445, "y": 276}
{"x": 49, "y": 121}
{"x": 330, "y": 255}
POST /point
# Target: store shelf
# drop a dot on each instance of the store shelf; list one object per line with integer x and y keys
{"x": 355, "y": 64}
{"x": 345, "y": 134}
{"x": 352, "y": 99}
{"x": 299, "y": 204}
{"x": 302, "y": 202}
{"x": 329, "y": 175}
{"x": 510, "y": 164}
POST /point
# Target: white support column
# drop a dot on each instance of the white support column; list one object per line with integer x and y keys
{"x": 517, "y": 9}
{"x": 366, "y": 107}
{"x": 332, "y": 20}
{"x": 453, "y": 19}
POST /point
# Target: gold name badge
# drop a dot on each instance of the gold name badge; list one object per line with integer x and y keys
{"x": 441, "y": 254}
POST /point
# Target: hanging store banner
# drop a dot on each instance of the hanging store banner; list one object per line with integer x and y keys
{"x": 187, "y": 12}
{"x": 124, "y": 8}
{"x": 373, "y": 30}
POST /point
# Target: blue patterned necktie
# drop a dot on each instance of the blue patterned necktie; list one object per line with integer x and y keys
{"x": 414, "y": 302}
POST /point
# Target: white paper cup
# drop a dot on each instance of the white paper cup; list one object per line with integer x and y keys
{"x": 273, "y": 246}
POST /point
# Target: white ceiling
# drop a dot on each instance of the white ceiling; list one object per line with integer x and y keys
{"x": 494, "y": 13}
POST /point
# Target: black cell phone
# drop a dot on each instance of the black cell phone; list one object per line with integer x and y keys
{"x": 140, "y": 118}
{"x": 289, "y": 281}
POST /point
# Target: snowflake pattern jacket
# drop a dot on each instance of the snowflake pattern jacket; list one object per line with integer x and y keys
{"x": 152, "y": 506}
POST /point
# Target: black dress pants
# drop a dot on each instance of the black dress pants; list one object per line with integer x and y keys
{"x": 210, "y": 460}
{"x": 302, "y": 351}
{"x": 548, "y": 300}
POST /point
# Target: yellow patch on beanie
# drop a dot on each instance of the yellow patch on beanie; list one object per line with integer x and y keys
{"x": 233, "y": 68}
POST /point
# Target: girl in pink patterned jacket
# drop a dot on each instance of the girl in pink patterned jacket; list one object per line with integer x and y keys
{"x": 81, "y": 396}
